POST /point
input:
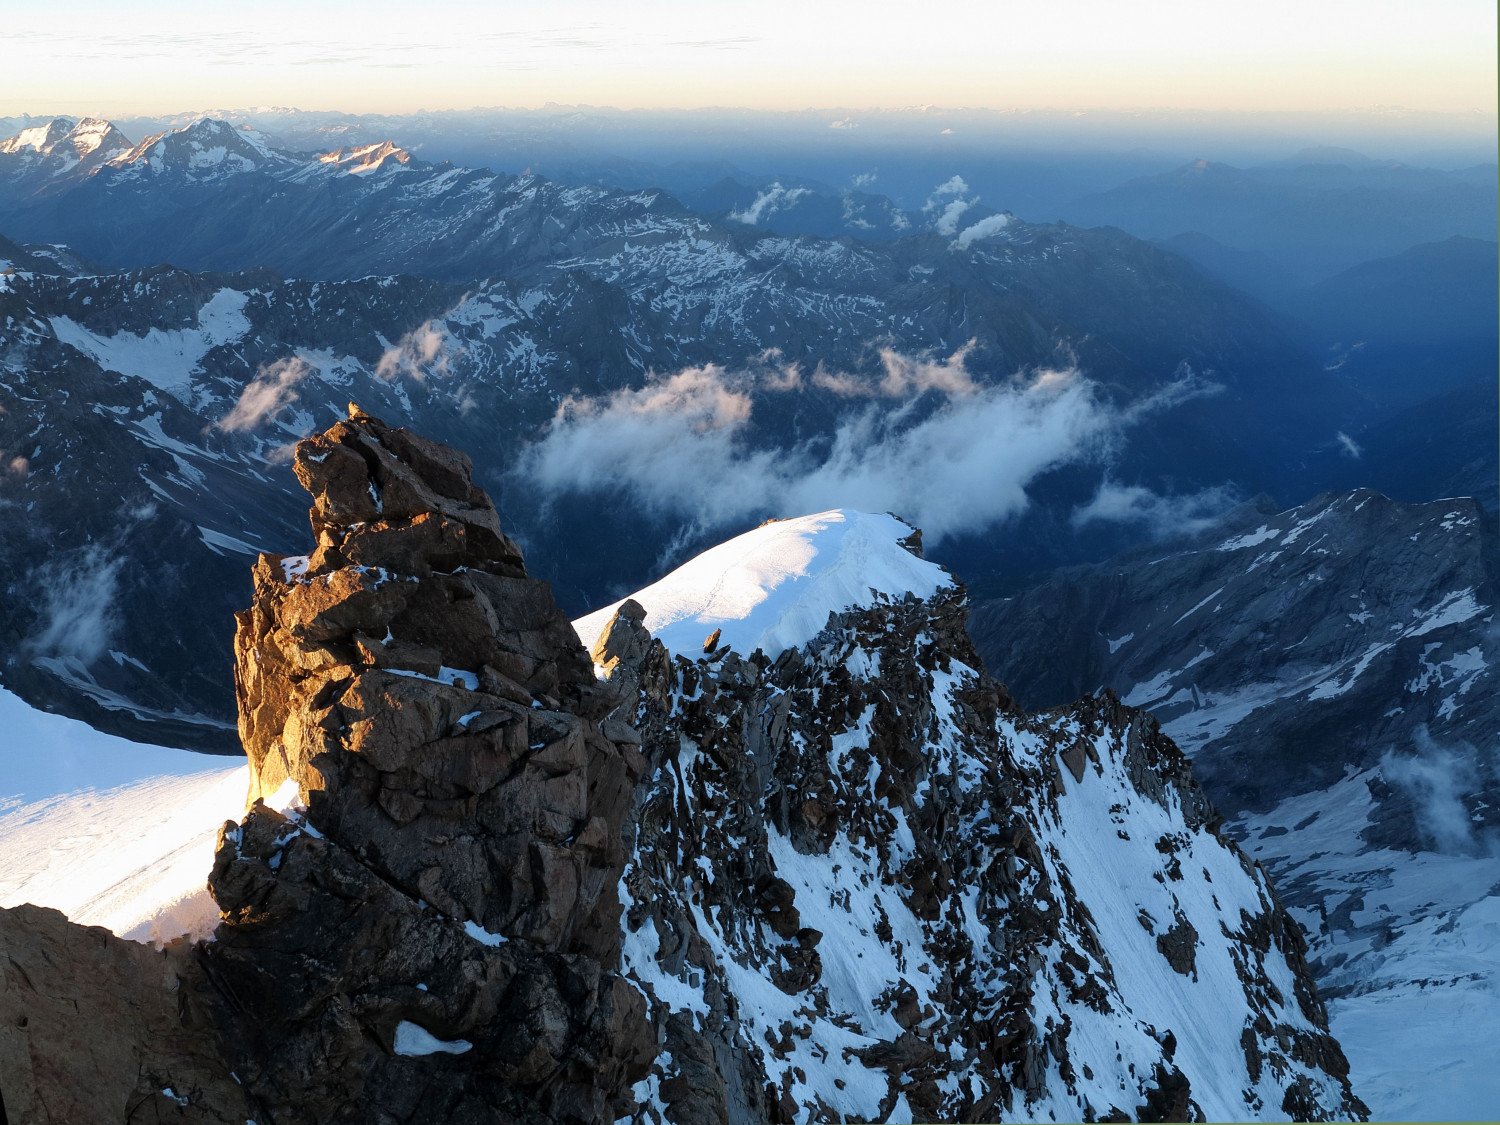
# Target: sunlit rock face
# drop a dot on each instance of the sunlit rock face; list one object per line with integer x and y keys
{"x": 865, "y": 886}
{"x": 429, "y": 926}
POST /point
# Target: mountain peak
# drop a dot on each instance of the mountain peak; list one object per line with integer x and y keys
{"x": 39, "y": 138}
{"x": 64, "y": 146}
{"x": 208, "y": 148}
{"x": 363, "y": 159}
{"x": 774, "y": 587}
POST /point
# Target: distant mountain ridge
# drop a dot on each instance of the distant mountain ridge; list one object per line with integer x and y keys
{"x": 525, "y": 292}
{"x": 1313, "y": 219}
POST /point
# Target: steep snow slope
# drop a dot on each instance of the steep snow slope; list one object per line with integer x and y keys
{"x": 773, "y": 588}
{"x": 1406, "y": 945}
{"x": 1331, "y": 668}
{"x": 865, "y": 887}
{"x": 110, "y": 832}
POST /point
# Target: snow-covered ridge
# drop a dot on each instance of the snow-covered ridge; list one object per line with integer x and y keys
{"x": 65, "y": 144}
{"x": 782, "y": 911}
{"x": 111, "y": 832}
{"x": 364, "y": 159}
{"x": 206, "y": 149}
{"x": 773, "y": 588}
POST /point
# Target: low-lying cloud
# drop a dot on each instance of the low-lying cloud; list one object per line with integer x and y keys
{"x": 423, "y": 352}
{"x": 679, "y": 446}
{"x": 768, "y": 202}
{"x": 950, "y": 199}
{"x": 273, "y": 387}
{"x": 987, "y": 227}
{"x": 1162, "y": 515}
{"x": 77, "y": 606}
{"x": 1435, "y": 778}
{"x": 902, "y": 376}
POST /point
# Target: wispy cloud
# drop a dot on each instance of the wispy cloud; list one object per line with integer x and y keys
{"x": 905, "y": 375}
{"x": 985, "y": 228}
{"x": 768, "y": 202}
{"x": 273, "y": 387}
{"x": 424, "y": 351}
{"x": 1162, "y": 515}
{"x": 78, "y": 616}
{"x": 949, "y": 200}
{"x": 681, "y": 447}
{"x": 1435, "y": 779}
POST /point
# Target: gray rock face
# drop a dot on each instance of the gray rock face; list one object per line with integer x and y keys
{"x": 1331, "y": 669}
{"x": 429, "y": 929}
{"x": 865, "y": 886}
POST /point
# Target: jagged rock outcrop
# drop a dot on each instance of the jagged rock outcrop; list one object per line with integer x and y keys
{"x": 428, "y": 928}
{"x": 866, "y": 887}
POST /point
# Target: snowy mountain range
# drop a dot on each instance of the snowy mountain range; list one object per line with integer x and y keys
{"x": 638, "y": 377}
{"x": 187, "y": 387}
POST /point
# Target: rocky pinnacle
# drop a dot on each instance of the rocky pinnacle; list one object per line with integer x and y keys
{"x": 429, "y": 929}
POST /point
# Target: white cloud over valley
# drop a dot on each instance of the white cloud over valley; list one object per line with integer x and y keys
{"x": 680, "y": 446}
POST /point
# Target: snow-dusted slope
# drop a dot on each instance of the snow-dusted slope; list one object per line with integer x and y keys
{"x": 1332, "y": 669}
{"x": 866, "y": 888}
{"x": 1406, "y": 943}
{"x": 112, "y": 833}
{"x": 773, "y": 588}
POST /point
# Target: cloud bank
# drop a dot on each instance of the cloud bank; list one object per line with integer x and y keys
{"x": 679, "y": 446}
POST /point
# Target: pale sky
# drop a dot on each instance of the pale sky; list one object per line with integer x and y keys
{"x": 145, "y": 57}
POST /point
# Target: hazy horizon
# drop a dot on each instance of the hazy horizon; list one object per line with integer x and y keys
{"x": 1336, "y": 56}
{"x": 1442, "y": 139}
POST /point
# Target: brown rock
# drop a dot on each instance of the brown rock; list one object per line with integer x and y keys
{"x": 463, "y": 824}
{"x": 97, "y": 1029}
